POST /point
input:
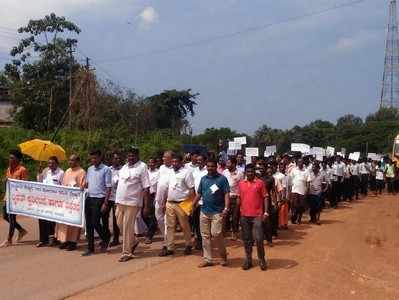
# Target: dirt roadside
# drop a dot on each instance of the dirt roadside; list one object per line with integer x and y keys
{"x": 353, "y": 255}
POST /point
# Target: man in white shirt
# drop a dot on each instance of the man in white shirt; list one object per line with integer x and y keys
{"x": 317, "y": 184}
{"x": 199, "y": 172}
{"x": 355, "y": 178}
{"x": 347, "y": 186}
{"x": 234, "y": 176}
{"x": 298, "y": 178}
{"x": 339, "y": 172}
{"x": 52, "y": 175}
{"x": 162, "y": 190}
{"x": 192, "y": 165}
{"x": 150, "y": 220}
{"x": 180, "y": 189}
{"x": 364, "y": 170}
{"x": 115, "y": 168}
{"x": 241, "y": 163}
{"x": 132, "y": 194}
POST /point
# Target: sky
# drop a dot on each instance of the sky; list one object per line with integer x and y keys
{"x": 317, "y": 67}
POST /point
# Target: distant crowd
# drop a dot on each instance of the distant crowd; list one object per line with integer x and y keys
{"x": 207, "y": 197}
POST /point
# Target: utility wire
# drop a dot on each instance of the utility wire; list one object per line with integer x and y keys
{"x": 233, "y": 34}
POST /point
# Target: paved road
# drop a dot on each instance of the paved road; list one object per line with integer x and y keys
{"x": 353, "y": 255}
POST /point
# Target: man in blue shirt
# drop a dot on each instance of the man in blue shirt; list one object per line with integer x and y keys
{"x": 99, "y": 185}
{"x": 214, "y": 190}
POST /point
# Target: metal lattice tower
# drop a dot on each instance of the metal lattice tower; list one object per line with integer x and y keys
{"x": 390, "y": 81}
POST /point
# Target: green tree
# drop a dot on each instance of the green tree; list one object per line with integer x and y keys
{"x": 266, "y": 136}
{"x": 172, "y": 107}
{"x": 40, "y": 69}
{"x": 211, "y": 137}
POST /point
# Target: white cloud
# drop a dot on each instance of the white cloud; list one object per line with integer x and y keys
{"x": 148, "y": 17}
{"x": 25, "y": 10}
{"x": 359, "y": 40}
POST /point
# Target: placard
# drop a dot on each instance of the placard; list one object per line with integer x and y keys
{"x": 234, "y": 146}
{"x": 372, "y": 156}
{"x": 330, "y": 151}
{"x": 54, "y": 203}
{"x": 270, "y": 150}
{"x": 318, "y": 151}
{"x": 242, "y": 140}
{"x": 251, "y": 152}
{"x": 303, "y": 148}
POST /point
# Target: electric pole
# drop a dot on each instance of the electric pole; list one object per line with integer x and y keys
{"x": 70, "y": 86}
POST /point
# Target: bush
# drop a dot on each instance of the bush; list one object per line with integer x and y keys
{"x": 81, "y": 142}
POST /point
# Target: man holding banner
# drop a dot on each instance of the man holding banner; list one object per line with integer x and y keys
{"x": 73, "y": 177}
{"x": 52, "y": 175}
{"x": 15, "y": 170}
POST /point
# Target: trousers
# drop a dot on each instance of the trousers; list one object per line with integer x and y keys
{"x": 175, "y": 212}
{"x": 46, "y": 229}
{"x": 126, "y": 219}
{"x": 248, "y": 226}
{"x": 212, "y": 227}
{"x": 150, "y": 220}
{"x": 13, "y": 224}
{"x": 93, "y": 221}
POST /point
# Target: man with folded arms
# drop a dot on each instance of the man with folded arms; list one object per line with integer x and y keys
{"x": 131, "y": 194}
{"x": 180, "y": 189}
{"x": 214, "y": 190}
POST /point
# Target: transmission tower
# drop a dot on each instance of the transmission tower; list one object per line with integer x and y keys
{"x": 390, "y": 80}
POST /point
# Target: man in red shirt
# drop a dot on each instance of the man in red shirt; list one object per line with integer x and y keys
{"x": 253, "y": 209}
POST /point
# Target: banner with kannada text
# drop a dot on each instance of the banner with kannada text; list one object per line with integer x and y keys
{"x": 55, "y": 203}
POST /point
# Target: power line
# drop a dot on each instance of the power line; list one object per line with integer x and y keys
{"x": 100, "y": 68}
{"x": 234, "y": 34}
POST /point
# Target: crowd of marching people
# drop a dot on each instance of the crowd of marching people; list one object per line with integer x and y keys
{"x": 207, "y": 197}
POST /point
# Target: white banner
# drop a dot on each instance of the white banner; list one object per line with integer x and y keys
{"x": 252, "y": 152}
{"x": 303, "y": 148}
{"x": 55, "y": 203}
{"x": 242, "y": 140}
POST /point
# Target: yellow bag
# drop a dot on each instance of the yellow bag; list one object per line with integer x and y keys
{"x": 187, "y": 205}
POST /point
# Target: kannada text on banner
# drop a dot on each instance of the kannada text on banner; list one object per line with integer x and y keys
{"x": 55, "y": 203}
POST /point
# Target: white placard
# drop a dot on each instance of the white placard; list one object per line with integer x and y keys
{"x": 252, "y": 152}
{"x": 270, "y": 150}
{"x": 234, "y": 146}
{"x": 356, "y": 156}
{"x": 231, "y": 152}
{"x": 372, "y": 156}
{"x": 248, "y": 160}
{"x": 319, "y": 157}
{"x": 343, "y": 151}
{"x": 330, "y": 151}
{"x": 303, "y": 148}
{"x": 242, "y": 140}
{"x": 318, "y": 151}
